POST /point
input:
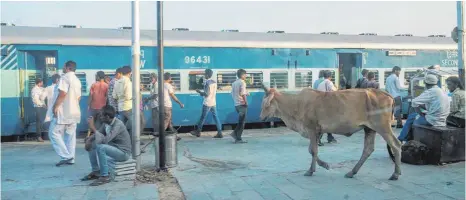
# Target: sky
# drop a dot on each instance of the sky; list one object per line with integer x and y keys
{"x": 384, "y": 18}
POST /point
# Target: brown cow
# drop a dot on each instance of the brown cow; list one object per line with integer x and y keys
{"x": 345, "y": 112}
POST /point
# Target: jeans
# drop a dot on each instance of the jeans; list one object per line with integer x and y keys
{"x": 63, "y": 139}
{"x": 242, "y": 111}
{"x": 103, "y": 152}
{"x": 408, "y": 124}
{"x": 205, "y": 111}
{"x": 397, "y": 111}
{"x": 40, "y": 115}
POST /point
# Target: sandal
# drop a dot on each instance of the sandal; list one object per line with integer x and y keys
{"x": 100, "y": 181}
{"x": 91, "y": 176}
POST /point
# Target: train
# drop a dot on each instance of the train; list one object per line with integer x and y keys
{"x": 286, "y": 61}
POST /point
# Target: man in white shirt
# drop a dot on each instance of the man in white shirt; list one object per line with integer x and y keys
{"x": 435, "y": 103}
{"x": 393, "y": 87}
{"x": 168, "y": 95}
{"x": 49, "y": 94}
{"x": 39, "y": 107}
{"x": 209, "y": 105}
{"x": 67, "y": 115}
{"x": 327, "y": 86}
{"x": 123, "y": 93}
{"x": 239, "y": 94}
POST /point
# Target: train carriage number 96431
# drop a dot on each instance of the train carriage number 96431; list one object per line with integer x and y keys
{"x": 197, "y": 59}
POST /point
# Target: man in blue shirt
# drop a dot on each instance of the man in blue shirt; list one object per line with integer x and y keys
{"x": 393, "y": 87}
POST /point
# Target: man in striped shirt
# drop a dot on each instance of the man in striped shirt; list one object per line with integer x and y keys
{"x": 112, "y": 101}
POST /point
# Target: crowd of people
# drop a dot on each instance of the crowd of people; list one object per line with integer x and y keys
{"x": 110, "y": 110}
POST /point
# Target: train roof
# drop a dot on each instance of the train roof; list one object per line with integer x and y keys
{"x": 121, "y": 37}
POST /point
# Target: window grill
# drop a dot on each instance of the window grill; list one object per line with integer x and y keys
{"x": 225, "y": 79}
{"x": 196, "y": 80}
{"x": 82, "y": 78}
{"x": 145, "y": 80}
{"x": 32, "y": 80}
{"x": 376, "y": 73}
{"x": 303, "y": 79}
{"x": 279, "y": 80}
{"x": 176, "y": 80}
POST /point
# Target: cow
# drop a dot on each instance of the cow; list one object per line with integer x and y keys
{"x": 311, "y": 113}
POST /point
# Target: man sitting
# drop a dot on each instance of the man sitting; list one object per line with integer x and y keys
{"x": 436, "y": 104}
{"x": 457, "y": 114}
{"x": 110, "y": 141}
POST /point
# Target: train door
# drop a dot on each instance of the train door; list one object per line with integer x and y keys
{"x": 350, "y": 65}
{"x": 34, "y": 64}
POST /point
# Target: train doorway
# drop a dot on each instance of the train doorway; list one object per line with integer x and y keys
{"x": 349, "y": 64}
{"x": 34, "y": 64}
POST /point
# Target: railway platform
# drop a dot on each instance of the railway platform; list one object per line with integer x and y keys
{"x": 270, "y": 166}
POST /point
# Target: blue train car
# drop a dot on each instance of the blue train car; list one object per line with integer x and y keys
{"x": 288, "y": 62}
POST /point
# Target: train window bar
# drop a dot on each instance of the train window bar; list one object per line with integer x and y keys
{"x": 196, "y": 80}
{"x": 279, "y": 80}
{"x": 303, "y": 79}
{"x": 225, "y": 79}
{"x": 176, "y": 80}
{"x": 145, "y": 81}
{"x": 82, "y": 77}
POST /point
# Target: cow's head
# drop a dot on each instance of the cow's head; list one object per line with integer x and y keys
{"x": 268, "y": 107}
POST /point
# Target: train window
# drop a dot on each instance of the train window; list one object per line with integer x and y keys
{"x": 387, "y": 74}
{"x": 303, "y": 79}
{"x": 145, "y": 80}
{"x": 32, "y": 80}
{"x": 196, "y": 80}
{"x": 409, "y": 75}
{"x": 176, "y": 80}
{"x": 279, "y": 80}
{"x": 254, "y": 80}
{"x": 82, "y": 77}
{"x": 376, "y": 73}
{"x": 225, "y": 79}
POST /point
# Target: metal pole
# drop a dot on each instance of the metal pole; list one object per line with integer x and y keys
{"x": 460, "y": 20}
{"x": 161, "y": 85}
{"x": 136, "y": 53}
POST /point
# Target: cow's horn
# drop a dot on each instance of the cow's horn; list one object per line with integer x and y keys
{"x": 265, "y": 88}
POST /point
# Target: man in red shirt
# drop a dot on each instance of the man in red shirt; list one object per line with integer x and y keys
{"x": 97, "y": 95}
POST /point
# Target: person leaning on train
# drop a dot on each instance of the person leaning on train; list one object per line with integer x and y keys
{"x": 457, "y": 113}
{"x": 436, "y": 104}
{"x": 112, "y": 141}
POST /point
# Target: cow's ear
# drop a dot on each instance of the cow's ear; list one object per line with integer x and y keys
{"x": 269, "y": 99}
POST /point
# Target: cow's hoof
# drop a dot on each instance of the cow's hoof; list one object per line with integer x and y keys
{"x": 308, "y": 173}
{"x": 349, "y": 175}
{"x": 394, "y": 177}
{"x": 324, "y": 165}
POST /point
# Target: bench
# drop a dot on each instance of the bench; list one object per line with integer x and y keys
{"x": 122, "y": 171}
{"x": 446, "y": 143}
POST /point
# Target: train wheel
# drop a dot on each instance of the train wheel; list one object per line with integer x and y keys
{"x": 390, "y": 153}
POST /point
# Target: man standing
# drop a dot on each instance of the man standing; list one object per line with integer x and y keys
{"x": 343, "y": 81}
{"x": 109, "y": 141}
{"x": 112, "y": 101}
{"x": 40, "y": 109}
{"x": 436, "y": 104}
{"x": 97, "y": 96}
{"x": 327, "y": 86}
{"x": 318, "y": 81}
{"x": 370, "y": 82}
{"x": 393, "y": 87}
{"x": 209, "y": 105}
{"x": 239, "y": 94}
{"x": 66, "y": 115}
{"x": 363, "y": 79}
{"x": 168, "y": 95}
{"x": 123, "y": 94}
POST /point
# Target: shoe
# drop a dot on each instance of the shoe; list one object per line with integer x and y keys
{"x": 62, "y": 162}
{"x": 218, "y": 136}
{"x": 39, "y": 139}
{"x": 196, "y": 133}
{"x": 178, "y": 138}
{"x": 100, "y": 181}
{"x": 320, "y": 143}
{"x": 240, "y": 141}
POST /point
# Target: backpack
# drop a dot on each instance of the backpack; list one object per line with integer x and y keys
{"x": 415, "y": 153}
